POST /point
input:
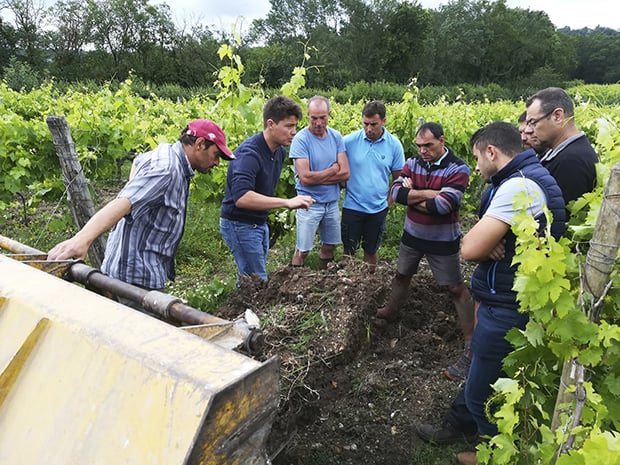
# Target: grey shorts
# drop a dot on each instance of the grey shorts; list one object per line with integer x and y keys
{"x": 446, "y": 268}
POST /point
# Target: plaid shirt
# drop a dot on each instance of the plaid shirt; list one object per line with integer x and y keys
{"x": 142, "y": 245}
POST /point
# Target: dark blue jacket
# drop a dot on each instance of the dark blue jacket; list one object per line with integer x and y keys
{"x": 492, "y": 281}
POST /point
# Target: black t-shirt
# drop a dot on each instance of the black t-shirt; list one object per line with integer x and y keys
{"x": 574, "y": 168}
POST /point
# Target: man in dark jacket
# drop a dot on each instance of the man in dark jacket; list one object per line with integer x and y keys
{"x": 568, "y": 155}
{"x": 564, "y": 150}
{"x": 491, "y": 243}
{"x": 509, "y": 171}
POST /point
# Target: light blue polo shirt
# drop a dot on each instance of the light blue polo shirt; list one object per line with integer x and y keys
{"x": 371, "y": 165}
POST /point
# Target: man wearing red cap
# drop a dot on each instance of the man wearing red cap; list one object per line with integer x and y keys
{"x": 148, "y": 215}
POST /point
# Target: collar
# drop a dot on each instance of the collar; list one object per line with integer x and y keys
{"x": 375, "y": 141}
{"x": 554, "y": 152}
{"x": 438, "y": 162}
{"x": 177, "y": 149}
{"x": 516, "y": 164}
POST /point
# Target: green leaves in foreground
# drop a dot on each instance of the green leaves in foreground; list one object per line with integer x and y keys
{"x": 548, "y": 289}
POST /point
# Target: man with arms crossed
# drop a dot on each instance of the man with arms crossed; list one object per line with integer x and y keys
{"x": 320, "y": 166}
{"x": 432, "y": 186}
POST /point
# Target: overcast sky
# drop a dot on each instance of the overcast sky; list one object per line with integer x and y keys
{"x": 573, "y": 13}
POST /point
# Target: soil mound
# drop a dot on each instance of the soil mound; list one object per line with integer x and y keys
{"x": 352, "y": 387}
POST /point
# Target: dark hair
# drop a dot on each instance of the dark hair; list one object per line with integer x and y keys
{"x": 500, "y": 134}
{"x": 376, "y": 107}
{"x": 552, "y": 98}
{"x": 191, "y": 140}
{"x": 522, "y": 117}
{"x": 434, "y": 128}
{"x": 279, "y": 108}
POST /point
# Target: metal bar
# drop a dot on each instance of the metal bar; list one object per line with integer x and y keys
{"x": 17, "y": 247}
{"x": 166, "y": 306}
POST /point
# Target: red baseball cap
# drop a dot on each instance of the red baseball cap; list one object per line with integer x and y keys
{"x": 209, "y": 131}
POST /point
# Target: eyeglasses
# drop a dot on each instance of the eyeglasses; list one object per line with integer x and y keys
{"x": 534, "y": 121}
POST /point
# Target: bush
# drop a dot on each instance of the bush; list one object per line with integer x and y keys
{"x": 360, "y": 91}
{"x": 600, "y": 94}
{"x": 20, "y": 76}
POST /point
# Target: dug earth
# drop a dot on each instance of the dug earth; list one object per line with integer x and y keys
{"x": 352, "y": 389}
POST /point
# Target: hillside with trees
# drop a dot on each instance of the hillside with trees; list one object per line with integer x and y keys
{"x": 341, "y": 42}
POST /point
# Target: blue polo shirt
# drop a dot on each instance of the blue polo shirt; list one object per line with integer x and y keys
{"x": 371, "y": 165}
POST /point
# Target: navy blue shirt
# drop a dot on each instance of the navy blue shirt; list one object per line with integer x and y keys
{"x": 255, "y": 168}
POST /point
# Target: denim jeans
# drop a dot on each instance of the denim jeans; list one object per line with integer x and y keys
{"x": 489, "y": 348}
{"x": 322, "y": 216}
{"x": 249, "y": 244}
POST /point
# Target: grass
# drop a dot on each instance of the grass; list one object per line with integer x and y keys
{"x": 428, "y": 454}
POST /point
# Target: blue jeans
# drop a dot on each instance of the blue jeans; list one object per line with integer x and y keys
{"x": 489, "y": 348}
{"x": 249, "y": 244}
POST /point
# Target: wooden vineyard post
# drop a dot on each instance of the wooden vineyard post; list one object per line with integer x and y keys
{"x": 81, "y": 202}
{"x": 600, "y": 262}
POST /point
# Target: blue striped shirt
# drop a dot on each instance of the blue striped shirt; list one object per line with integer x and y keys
{"x": 142, "y": 245}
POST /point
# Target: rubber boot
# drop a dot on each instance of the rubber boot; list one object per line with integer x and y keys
{"x": 398, "y": 296}
{"x": 323, "y": 262}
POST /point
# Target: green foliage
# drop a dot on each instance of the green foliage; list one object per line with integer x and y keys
{"x": 561, "y": 328}
{"x": 361, "y": 91}
{"x": 465, "y": 41}
{"x": 606, "y": 94}
{"x": 111, "y": 123}
{"x": 481, "y": 42}
{"x": 19, "y": 75}
{"x": 208, "y": 295}
{"x": 597, "y": 51}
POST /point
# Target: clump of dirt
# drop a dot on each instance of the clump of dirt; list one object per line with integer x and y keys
{"x": 352, "y": 387}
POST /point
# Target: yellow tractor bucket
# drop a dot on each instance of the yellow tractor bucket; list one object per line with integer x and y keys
{"x": 87, "y": 381}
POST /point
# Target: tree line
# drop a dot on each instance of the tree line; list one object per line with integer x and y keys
{"x": 339, "y": 41}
